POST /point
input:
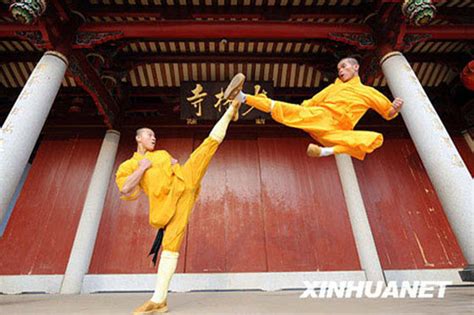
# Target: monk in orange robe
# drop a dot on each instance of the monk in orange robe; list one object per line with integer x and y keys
{"x": 331, "y": 115}
{"x": 172, "y": 190}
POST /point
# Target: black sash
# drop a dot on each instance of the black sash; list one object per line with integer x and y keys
{"x": 155, "y": 248}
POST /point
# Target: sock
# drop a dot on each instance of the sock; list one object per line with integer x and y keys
{"x": 241, "y": 97}
{"x": 166, "y": 269}
{"x": 219, "y": 130}
{"x": 327, "y": 151}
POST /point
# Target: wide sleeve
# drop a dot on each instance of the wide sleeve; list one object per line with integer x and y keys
{"x": 380, "y": 103}
{"x": 318, "y": 98}
{"x": 126, "y": 169}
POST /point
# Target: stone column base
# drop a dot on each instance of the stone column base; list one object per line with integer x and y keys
{"x": 467, "y": 274}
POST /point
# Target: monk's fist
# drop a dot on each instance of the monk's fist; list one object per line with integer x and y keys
{"x": 144, "y": 164}
{"x": 397, "y": 104}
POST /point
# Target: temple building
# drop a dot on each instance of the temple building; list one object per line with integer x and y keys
{"x": 79, "y": 77}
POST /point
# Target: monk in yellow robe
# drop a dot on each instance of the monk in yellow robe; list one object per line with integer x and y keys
{"x": 172, "y": 190}
{"x": 331, "y": 115}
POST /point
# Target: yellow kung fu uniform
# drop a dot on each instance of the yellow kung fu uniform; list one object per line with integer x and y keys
{"x": 331, "y": 115}
{"x": 171, "y": 190}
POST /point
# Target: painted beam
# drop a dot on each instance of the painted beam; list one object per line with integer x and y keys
{"x": 243, "y": 30}
{"x": 262, "y": 29}
{"x": 87, "y": 77}
{"x": 228, "y": 30}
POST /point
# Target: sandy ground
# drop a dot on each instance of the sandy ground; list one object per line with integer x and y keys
{"x": 458, "y": 300}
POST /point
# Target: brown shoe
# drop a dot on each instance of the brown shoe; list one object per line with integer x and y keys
{"x": 151, "y": 308}
{"x": 313, "y": 150}
{"x": 235, "y": 86}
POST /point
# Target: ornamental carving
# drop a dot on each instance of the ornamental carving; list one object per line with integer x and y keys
{"x": 419, "y": 12}
{"x": 361, "y": 41}
{"x": 87, "y": 84}
{"x": 412, "y": 39}
{"x": 35, "y": 38}
{"x": 27, "y": 11}
{"x": 91, "y": 39}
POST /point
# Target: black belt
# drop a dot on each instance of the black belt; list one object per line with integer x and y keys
{"x": 155, "y": 248}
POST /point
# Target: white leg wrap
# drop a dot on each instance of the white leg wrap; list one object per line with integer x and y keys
{"x": 219, "y": 130}
{"x": 327, "y": 151}
{"x": 166, "y": 269}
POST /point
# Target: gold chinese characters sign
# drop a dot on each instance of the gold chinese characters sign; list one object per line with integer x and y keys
{"x": 205, "y": 100}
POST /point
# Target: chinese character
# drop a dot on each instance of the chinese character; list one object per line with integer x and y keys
{"x": 24, "y": 95}
{"x": 15, "y": 111}
{"x": 257, "y": 88}
{"x": 32, "y": 80}
{"x": 220, "y": 99}
{"x": 260, "y": 121}
{"x": 191, "y": 121}
{"x": 8, "y": 128}
{"x": 197, "y": 98}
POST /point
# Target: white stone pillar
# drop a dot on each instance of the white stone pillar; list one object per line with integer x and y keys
{"x": 366, "y": 249}
{"x": 447, "y": 171}
{"x": 23, "y": 125}
{"x": 86, "y": 234}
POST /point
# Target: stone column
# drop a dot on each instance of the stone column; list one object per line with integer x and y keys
{"x": 447, "y": 171}
{"x": 366, "y": 249}
{"x": 86, "y": 234}
{"x": 23, "y": 125}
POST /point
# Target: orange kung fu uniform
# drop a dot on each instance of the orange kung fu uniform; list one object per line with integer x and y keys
{"x": 171, "y": 190}
{"x": 331, "y": 115}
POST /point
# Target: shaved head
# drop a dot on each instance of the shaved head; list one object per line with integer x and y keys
{"x": 350, "y": 60}
{"x": 141, "y": 130}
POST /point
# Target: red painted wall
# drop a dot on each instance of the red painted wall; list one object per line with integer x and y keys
{"x": 306, "y": 222}
{"x": 264, "y": 206}
{"x": 227, "y": 230}
{"x": 42, "y": 227}
{"x": 409, "y": 225}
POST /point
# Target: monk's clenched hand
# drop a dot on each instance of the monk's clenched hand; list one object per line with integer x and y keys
{"x": 397, "y": 104}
